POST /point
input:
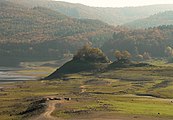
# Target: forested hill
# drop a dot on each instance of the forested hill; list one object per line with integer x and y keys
{"x": 40, "y": 33}
{"x": 38, "y": 24}
{"x": 143, "y": 43}
{"x": 19, "y": 24}
{"x": 113, "y": 16}
{"x": 163, "y": 18}
{"x": 29, "y": 32}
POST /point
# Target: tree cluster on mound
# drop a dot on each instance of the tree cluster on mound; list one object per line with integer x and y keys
{"x": 122, "y": 57}
{"x": 89, "y": 54}
{"x": 93, "y": 59}
{"x": 86, "y": 59}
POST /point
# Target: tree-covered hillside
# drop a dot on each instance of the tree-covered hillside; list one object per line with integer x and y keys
{"x": 113, "y": 16}
{"x": 34, "y": 31}
{"x": 163, "y": 18}
{"x": 142, "y": 43}
{"x": 40, "y": 24}
{"x": 40, "y": 33}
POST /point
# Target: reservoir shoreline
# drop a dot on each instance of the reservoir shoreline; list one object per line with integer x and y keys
{"x": 10, "y": 75}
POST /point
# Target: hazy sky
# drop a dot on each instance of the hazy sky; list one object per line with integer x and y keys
{"x": 119, "y": 3}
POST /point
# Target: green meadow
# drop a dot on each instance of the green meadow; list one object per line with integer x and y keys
{"x": 135, "y": 91}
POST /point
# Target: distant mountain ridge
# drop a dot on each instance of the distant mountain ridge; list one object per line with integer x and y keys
{"x": 163, "y": 18}
{"x": 113, "y": 16}
{"x": 39, "y": 23}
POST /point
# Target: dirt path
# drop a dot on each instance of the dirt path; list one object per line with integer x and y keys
{"x": 51, "y": 106}
{"x": 95, "y": 116}
{"x": 47, "y": 114}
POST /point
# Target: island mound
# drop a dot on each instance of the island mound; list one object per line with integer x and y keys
{"x": 86, "y": 59}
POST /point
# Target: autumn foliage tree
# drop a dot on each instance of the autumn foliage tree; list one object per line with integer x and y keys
{"x": 122, "y": 56}
{"x": 89, "y": 54}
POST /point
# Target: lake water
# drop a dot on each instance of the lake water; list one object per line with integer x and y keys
{"x": 8, "y": 75}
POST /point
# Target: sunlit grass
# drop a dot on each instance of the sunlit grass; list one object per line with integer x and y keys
{"x": 116, "y": 91}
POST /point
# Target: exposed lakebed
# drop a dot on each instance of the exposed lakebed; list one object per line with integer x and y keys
{"x": 8, "y": 75}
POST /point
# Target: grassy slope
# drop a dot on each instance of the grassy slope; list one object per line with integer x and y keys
{"x": 113, "y": 92}
{"x": 76, "y": 66}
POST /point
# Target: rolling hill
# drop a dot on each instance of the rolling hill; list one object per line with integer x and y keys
{"x": 113, "y": 16}
{"x": 40, "y": 33}
{"x": 42, "y": 29}
{"x": 163, "y": 18}
{"x": 92, "y": 60}
{"x": 39, "y": 24}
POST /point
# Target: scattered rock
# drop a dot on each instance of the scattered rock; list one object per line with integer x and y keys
{"x": 57, "y": 98}
{"x": 68, "y": 99}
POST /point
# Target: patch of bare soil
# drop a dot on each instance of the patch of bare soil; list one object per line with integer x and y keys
{"x": 50, "y": 108}
{"x": 100, "y": 115}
